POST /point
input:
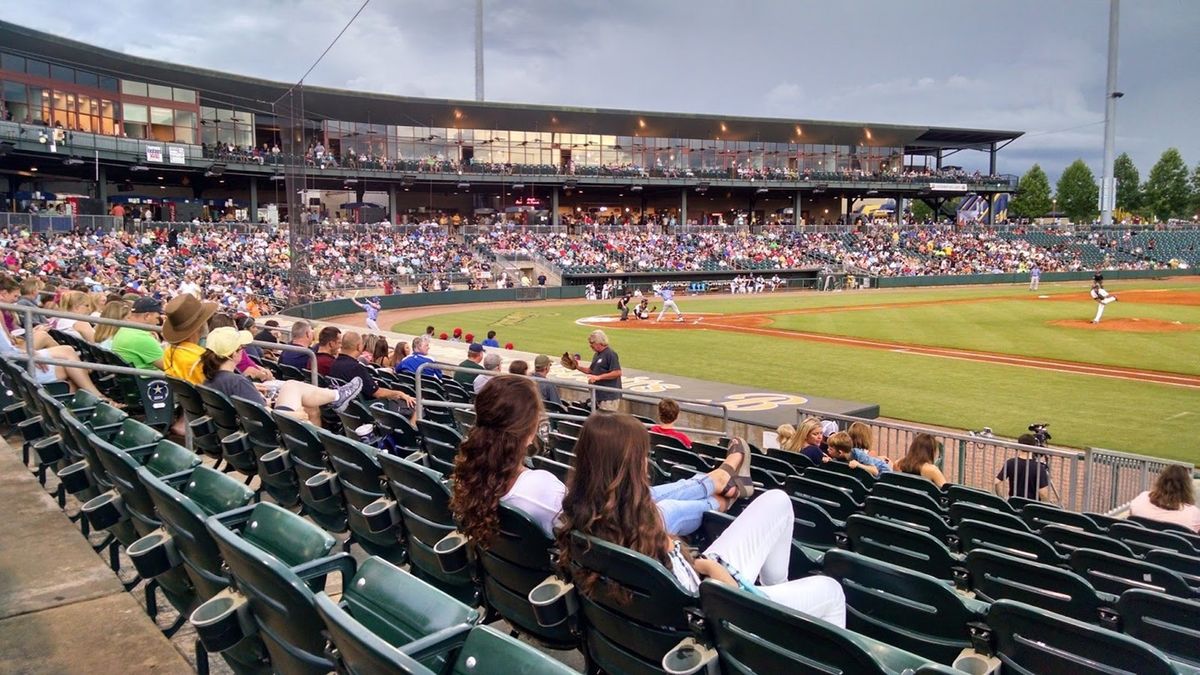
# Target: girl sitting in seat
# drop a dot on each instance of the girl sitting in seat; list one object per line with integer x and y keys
{"x": 920, "y": 460}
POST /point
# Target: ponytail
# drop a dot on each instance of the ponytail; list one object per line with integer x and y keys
{"x": 210, "y": 364}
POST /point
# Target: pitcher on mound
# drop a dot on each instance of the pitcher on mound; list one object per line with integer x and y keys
{"x": 1101, "y": 296}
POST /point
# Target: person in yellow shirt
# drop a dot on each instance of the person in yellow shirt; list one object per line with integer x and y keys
{"x": 184, "y": 326}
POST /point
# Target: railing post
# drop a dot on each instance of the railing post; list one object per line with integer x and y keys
{"x": 1074, "y": 482}
{"x": 30, "y": 366}
{"x": 962, "y": 462}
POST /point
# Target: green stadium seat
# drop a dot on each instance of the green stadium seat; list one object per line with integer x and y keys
{"x": 361, "y": 480}
{"x": 974, "y": 534}
{"x": 305, "y": 455}
{"x": 670, "y": 456}
{"x": 858, "y": 473}
{"x": 962, "y": 493}
{"x": 403, "y": 433}
{"x": 1188, "y": 566}
{"x": 912, "y": 516}
{"x": 842, "y": 479}
{"x": 1160, "y": 525}
{"x": 753, "y": 635}
{"x": 1115, "y": 574}
{"x": 560, "y": 470}
{"x": 960, "y": 511}
{"x": 899, "y": 493}
{"x": 275, "y": 557}
{"x": 1168, "y": 623}
{"x": 799, "y": 462}
{"x": 914, "y": 483}
{"x": 205, "y": 439}
{"x": 277, "y": 477}
{"x": 1030, "y": 640}
{"x": 1066, "y": 539}
{"x": 235, "y": 446}
{"x": 838, "y": 502}
{"x": 1142, "y": 539}
{"x": 1038, "y": 516}
{"x": 657, "y": 439}
{"x": 997, "y": 576}
{"x": 905, "y": 547}
{"x": 814, "y": 527}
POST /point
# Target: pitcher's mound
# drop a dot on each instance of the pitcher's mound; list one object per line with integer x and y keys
{"x": 1128, "y": 325}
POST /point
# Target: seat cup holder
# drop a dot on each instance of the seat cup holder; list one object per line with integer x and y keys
{"x": 202, "y": 426}
{"x": 974, "y": 663}
{"x": 322, "y": 486}
{"x": 235, "y": 444}
{"x": 223, "y": 621}
{"x": 74, "y": 478}
{"x": 276, "y": 462}
{"x": 381, "y": 515}
{"x": 451, "y": 552}
{"x": 553, "y": 602}
{"x": 690, "y": 657}
{"x": 153, "y": 554}
{"x": 49, "y": 450}
{"x": 105, "y": 511}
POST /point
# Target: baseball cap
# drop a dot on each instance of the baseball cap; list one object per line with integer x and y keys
{"x": 829, "y": 427}
{"x": 542, "y": 361}
{"x": 475, "y": 348}
{"x": 226, "y": 340}
{"x": 147, "y": 305}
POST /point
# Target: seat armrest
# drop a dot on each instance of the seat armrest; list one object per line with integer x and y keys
{"x": 437, "y": 643}
{"x": 341, "y": 562}
{"x": 235, "y": 518}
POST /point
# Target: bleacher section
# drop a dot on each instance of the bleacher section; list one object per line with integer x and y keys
{"x": 360, "y": 580}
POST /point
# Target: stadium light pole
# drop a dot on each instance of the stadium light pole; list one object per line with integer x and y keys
{"x": 478, "y": 50}
{"x": 1108, "y": 191}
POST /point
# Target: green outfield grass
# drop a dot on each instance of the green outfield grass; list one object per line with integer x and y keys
{"x": 1082, "y": 410}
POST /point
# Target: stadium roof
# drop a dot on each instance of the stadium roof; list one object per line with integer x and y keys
{"x": 258, "y": 95}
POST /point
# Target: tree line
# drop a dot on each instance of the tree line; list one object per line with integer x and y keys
{"x": 1168, "y": 192}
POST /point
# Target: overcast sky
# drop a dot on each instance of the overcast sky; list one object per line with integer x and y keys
{"x": 1036, "y": 66}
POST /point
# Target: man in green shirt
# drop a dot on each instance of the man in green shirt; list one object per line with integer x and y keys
{"x": 474, "y": 357}
{"x": 141, "y": 348}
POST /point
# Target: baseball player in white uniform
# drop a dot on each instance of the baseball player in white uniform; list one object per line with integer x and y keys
{"x": 1101, "y": 296}
{"x": 668, "y": 298}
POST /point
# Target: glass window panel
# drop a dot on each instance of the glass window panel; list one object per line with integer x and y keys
{"x": 133, "y": 130}
{"x": 184, "y": 95}
{"x": 109, "y": 83}
{"x": 37, "y": 68}
{"x": 185, "y": 118}
{"x": 185, "y": 135}
{"x": 132, "y": 88}
{"x": 159, "y": 91}
{"x": 162, "y": 116}
{"x": 62, "y": 74}
{"x": 12, "y": 62}
{"x": 136, "y": 113}
{"x": 84, "y": 78}
{"x": 14, "y": 92}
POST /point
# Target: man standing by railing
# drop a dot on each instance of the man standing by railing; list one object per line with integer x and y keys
{"x": 1024, "y": 476}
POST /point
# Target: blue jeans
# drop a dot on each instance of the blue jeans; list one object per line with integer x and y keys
{"x": 683, "y": 503}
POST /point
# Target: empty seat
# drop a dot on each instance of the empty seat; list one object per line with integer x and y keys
{"x": 973, "y": 534}
{"x": 1115, "y": 574}
{"x": 914, "y": 483}
{"x": 1030, "y": 640}
{"x": 1169, "y": 623}
{"x": 1066, "y": 539}
{"x": 906, "y": 609}
{"x": 903, "y": 546}
{"x": 997, "y": 576}
{"x": 838, "y": 502}
{"x": 919, "y": 498}
{"x": 840, "y": 479}
{"x": 813, "y": 526}
{"x": 305, "y": 455}
{"x": 913, "y": 516}
{"x": 262, "y": 433}
{"x": 1038, "y": 516}
{"x": 962, "y": 493}
{"x": 1143, "y": 539}
{"x": 361, "y": 481}
{"x": 858, "y": 473}
{"x": 1187, "y": 566}
{"x": 960, "y": 511}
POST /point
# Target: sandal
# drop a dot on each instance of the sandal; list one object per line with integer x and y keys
{"x": 740, "y": 485}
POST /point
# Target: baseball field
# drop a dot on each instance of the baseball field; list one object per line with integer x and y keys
{"x": 962, "y": 357}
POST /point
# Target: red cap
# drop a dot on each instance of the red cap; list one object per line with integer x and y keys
{"x": 469, "y": 337}
{"x": 508, "y": 345}
{"x": 443, "y": 336}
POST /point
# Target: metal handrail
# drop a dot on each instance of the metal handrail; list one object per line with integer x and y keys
{"x": 570, "y": 384}
{"x": 28, "y": 312}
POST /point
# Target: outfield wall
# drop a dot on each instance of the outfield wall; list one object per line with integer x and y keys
{"x": 328, "y": 308}
{"x": 1022, "y": 278}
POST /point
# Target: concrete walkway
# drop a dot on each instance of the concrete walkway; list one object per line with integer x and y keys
{"x": 62, "y": 610}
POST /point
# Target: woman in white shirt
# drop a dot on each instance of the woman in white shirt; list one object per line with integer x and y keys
{"x": 75, "y": 302}
{"x": 1172, "y": 500}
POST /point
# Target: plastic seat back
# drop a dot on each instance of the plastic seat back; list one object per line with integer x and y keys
{"x": 514, "y": 563}
{"x": 443, "y": 433}
{"x": 858, "y": 473}
{"x": 362, "y": 482}
{"x": 813, "y": 526}
{"x": 842, "y": 479}
{"x": 560, "y": 470}
{"x": 1030, "y": 640}
{"x": 404, "y": 434}
{"x": 263, "y": 434}
{"x": 308, "y": 460}
{"x": 909, "y": 496}
{"x": 996, "y": 576}
{"x": 913, "y": 516}
{"x": 1163, "y": 621}
{"x": 1188, "y": 566}
{"x": 799, "y": 462}
{"x": 668, "y": 456}
{"x": 1066, "y": 539}
{"x": 901, "y": 545}
{"x": 487, "y": 651}
{"x": 1115, "y": 574}
{"x": 423, "y": 499}
{"x": 632, "y": 636}
{"x": 974, "y": 534}
{"x": 1160, "y": 525}
{"x": 913, "y": 482}
{"x": 962, "y": 493}
{"x": 899, "y": 607}
{"x": 1143, "y": 539}
{"x": 961, "y": 511}
{"x": 186, "y": 395}
{"x": 837, "y": 501}
{"x": 657, "y": 439}
{"x": 753, "y": 635}
{"x": 163, "y": 459}
{"x": 220, "y": 409}
{"x": 281, "y": 603}
{"x": 1038, "y": 516}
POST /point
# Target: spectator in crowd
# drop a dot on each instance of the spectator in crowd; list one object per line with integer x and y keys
{"x": 269, "y": 332}
{"x": 491, "y": 365}
{"x": 75, "y": 302}
{"x": 473, "y": 361}
{"x": 29, "y": 288}
{"x": 807, "y": 441}
{"x": 420, "y": 356}
{"x": 113, "y": 309}
{"x": 604, "y": 371}
{"x": 347, "y": 366}
{"x": 1024, "y": 476}
{"x": 328, "y": 345}
{"x": 1171, "y": 500}
{"x": 469, "y": 338}
{"x": 302, "y": 336}
{"x": 668, "y": 412}
{"x": 491, "y": 340}
{"x": 518, "y": 367}
{"x": 429, "y": 332}
{"x": 785, "y": 433}
{"x": 399, "y": 352}
{"x": 457, "y": 336}
{"x": 547, "y": 389}
{"x": 186, "y": 323}
{"x": 245, "y": 322}
{"x": 381, "y": 356}
{"x": 610, "y": 497}
{"x": 921, "y": 460}
{"x": 140, "y": 348}
{"x": 841, "y": 448}
{"x": 223, "y": 350}
{"x": 76, "y": 378}
{"x": 245, "y": 365}
{"x": 860, "y": 437}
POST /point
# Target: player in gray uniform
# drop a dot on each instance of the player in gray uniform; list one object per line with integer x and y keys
{"x": 1101, "y": 296}
{"x": 668, "y": 298}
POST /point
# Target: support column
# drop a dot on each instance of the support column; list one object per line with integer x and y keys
{"x": 992, "y": 160}
{"x": 849, "y": 210}
{"x": 939, "y": 160}
{"x": 796, "y": 203}
{"x": 102, "y": 187}
{"x": 392, "y": 205}
{"x": 252, "y": 215}
{"x": 683, "y": 210}
{"x": 555, "y": 217}
{"x": 991, "y": 199}
{"x": 899, "y": 209}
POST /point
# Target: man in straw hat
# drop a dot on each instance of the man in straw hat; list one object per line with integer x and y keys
{"x": 184, "y": 328}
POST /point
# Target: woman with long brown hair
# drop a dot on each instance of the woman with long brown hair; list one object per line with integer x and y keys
{"x": 609, "y": 497}
{"x": 115, "y": 309}
{"x": 1171, "y": 500}
{"x": 489, "y": 469}
{"x": 921, "y": 460}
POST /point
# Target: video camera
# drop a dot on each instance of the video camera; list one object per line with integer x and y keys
{"x": 1040, "y": 434}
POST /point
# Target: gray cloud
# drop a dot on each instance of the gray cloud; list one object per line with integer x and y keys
{"x": 1031, "y": 65}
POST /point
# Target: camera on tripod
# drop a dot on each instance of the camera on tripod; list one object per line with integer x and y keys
{"x": 1040, "y": 434}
